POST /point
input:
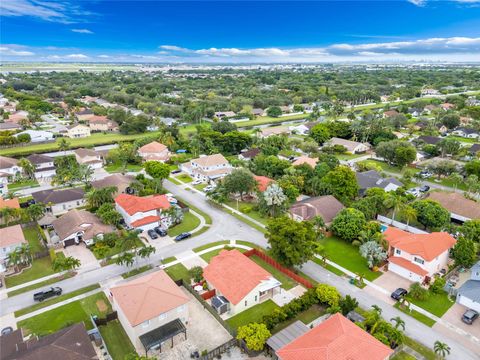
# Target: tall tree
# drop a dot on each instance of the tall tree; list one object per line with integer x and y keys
{"x": 240, "y": 181}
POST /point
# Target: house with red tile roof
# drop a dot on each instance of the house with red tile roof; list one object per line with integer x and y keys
{"x": 416, "y": 256}
{"x": 337, "y": 338}
{"x": 262, "y": 182}
{"x": 239, "y": 281}
{"x": 154, "y": 151}
{"x": 149, "y": 303}
{"x": 144, "y": 213}
{"x": 11, "y": 238}
{"x": 305, "y": 160}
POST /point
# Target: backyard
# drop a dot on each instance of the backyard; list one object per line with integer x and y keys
{"x": 34, "y": 239}
{"x": 116, "y": 339}
{"x": 177, "y": 272}
{"x": 189, "y": 223}
{"x": 348, "y": 256}
{"x": 253, "y": 314}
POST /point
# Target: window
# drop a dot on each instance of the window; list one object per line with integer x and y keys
{"x": 255, "y": 298}
{"x": 146, "y": 323}
{"x": 245, "y": 302}
{"x": 418, "y": 260}
{"x": 398, "y": 251}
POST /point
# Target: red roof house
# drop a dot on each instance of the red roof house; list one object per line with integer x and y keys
{"x": 143, "y": 213}
{"x": 154, "y": 151}
{"x": 263, "y": 182}
{"x": 337, "y": 338}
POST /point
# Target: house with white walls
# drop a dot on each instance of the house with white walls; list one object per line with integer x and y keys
{"x": 209, "y": 167}
{"x": 44, "y": 166}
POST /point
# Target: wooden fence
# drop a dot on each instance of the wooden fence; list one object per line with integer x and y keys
{"x": 276, "y": 265}
{"x": 219, "y": 350}
{"x": 208, "y": 294}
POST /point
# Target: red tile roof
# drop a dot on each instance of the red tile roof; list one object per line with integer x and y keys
{"x": 146, "y": 220}
{"x": 305, "y": 160}
{"x": 234, "y": 275}
{"x": 133, "y": 204}
{"x": 9, "y": 203}
{"x": 335, "y": 339}
{"x": 408, "y": 265}
{"x": 428, "y": 246}
{"x": 262, "y": 182}
{"x": 153, "y": 147}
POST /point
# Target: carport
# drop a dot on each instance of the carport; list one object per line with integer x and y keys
{"x": 155, "y": 338}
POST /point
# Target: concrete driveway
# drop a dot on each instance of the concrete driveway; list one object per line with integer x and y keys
{"x": 81, "y": 253}
{"x": 391, "y": 281}
{"x": 454, "y": 315}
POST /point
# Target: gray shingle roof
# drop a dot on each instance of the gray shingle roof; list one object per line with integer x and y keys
{"x": 372, "y": 178}
{"x": 471, "y": 290}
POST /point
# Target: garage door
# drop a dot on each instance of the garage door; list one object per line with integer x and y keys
{"x": 69, "y": 242}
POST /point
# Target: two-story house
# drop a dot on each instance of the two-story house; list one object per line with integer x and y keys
{"x": 121, "y": 182}
{"x": 8, "y": 170}
{"x": 239, "y": 282}
{"x": 154, "y": 151}
{"x": 207, "y": 168}
{"x": 11, "y": 238}
{"x": 89, "y": 157}
{"x": 78, "y": 131}
{"x": 144, "y": 213}
{"x": 147, "y": 304}
{"x": 60, "y": 201}
{"x": 417, "y": 256}
{"x": 102, "y": 123}
{"x": 469, "y": 293}
{"x": 44, "y": 166}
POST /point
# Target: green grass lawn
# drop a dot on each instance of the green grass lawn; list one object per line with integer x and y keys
{"x": 403, "y": 356}
{"x": 416, "y": 315}
{"x": 189, "y": 223}
{"x": 251, "y": 212}
{"x": 117, "y": 341}
{"x": 253, "y": 314}
{"x": 209, "y": 245}
{"x": 117, "y": 167}
{"x": 169, "y": 260}
{"x": 448, "y": 183}
{"x": 184, "y": 178}
{"x": 40, "y": 268}
{"x": 34, "y": 240}
{"x": 421, "y": 349}
{"x": 41, "y": 284}
{"x": 200, "y": 186}
{"x": 436, "y": 304}
{"x": 385, "y": 167}
{"x": 348, "y": 156}
{"x": 177, "y": 272}
{"x": 117, "y": 249}
{"x": 306, "y": 317}
{"x": 208, "y": 219}
{"x": 175, "y": 181}
{"x": 348, "y": 256}
{"x": 136, "y": 271}
{"x": 58, "y": 318}
{"x": 462, "y": 139}
{"x": 287, "y": 283}
{"x": 329, "y": 267}
{"x": 56, "y": 300}
{"x": 270, "y": 120}
{"x": 22, "y": 184}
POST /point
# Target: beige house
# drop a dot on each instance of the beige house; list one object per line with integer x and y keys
{"x": 11, "y": 238}
{"x": 207, "y": 168}
{"x": 353, "y": 147}
{"x": 120, "y": 181}
{"x": 148, "y": 303}
{"x": 327, "y": 207}
{"x": 60, "y": 201}
{"x": 78, "y": 131}
{"x": 154, "y": 151}
{"x": 102, "y": 123}
{"x": 89, "y": 157}
{"x": 305, "y": 160}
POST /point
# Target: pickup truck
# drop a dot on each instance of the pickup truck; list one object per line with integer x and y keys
{"x": 43, "y": 295}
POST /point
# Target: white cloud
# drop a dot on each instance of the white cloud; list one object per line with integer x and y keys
{"x": 104, "y": 56}
{"x": 82, "y": 31}
{"x": 76, "y": 56}
{"x": 174, "y": 48}
{"x": 418, "y": 2}
{"x": 12, "y": 52}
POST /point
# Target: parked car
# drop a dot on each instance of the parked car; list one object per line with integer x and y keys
{"x": 43, "y": 295}
{"x": 415, "y": 192}
{"x": 152, "y": 234}
{"x": 178, "y": 171}
{"x": 469, "y": 316}
{"x": 160, "y": 231}
{"x": 425, "y": 174}
{"x": 209, "y": 188}
{"x": 7, "y": 330}
{"x": 424, "y": 188}
{"x": 398, "y": 294}
{"x": 183, "y": 236}
{"x": 197, "y": 182}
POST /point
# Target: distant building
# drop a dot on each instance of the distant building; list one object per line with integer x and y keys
{"x": 274, "y": 130}
{"x": 224, "y": 114}
{"x": 430, "y": 140}
{"x": 37, "y": 135}
{"x": 249, "y": 154}
{"x": 466, "y": 133}
{"x": 154, "y": 151}
{"x": 305, "y": 160}
{"x": 9, "y": 126}
{"x": 327, "y": 207}
{"x": 102, "y": 123}
{"x": 352, "y": 147}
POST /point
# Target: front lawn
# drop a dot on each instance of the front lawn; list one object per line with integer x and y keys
{"x": 40, "y": 268}
{"x": 188, "y": 224}
{"x": 177, "y": 272}
{"x": 287, "y": 283}
{"x": 416, "y": 315}
{"x": 348, "y": 256}
{"x": 248, "y": 209}
{"x": 200, "y": 186}
{"x": 22, "y": 184}
{"x": 117, "y": 167}
{"x": 436, "y": 304}
{"x": 253, "y": 314}
{"x": 117, "y": 249}
{"x": 403, "y": 356}
{"x": 184, "y": 178}
{"x": 63, "y": 316}
{"x": 209, "y": 245}
{"x": 34, "y": 239}
{"x": 117, "y": 341}
{"x": 136, "y": 271}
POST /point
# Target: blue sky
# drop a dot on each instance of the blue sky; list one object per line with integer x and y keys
{"x": 248, "y": 31}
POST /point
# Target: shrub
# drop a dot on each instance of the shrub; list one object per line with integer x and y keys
{"x": 53, "y": 255}
{"x": 418, "y": 292}
{"x": 196, "y": 273}
{"x": 255, "y": 335}
{"x": 328, "y": 294}
{"x": 438, "y": 285}
{"x": 246, "y": 209}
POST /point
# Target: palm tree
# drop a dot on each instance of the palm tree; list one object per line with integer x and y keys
{"x": 25, "y": 254}
{"x": 65, "y": 263}
{"x": 98, "y": 197}
{"x": 63, "y": 145}
{"x": 456, "y": 178}
{"x": 408, "y": 213}
{"x": 85, "y": 173}
{"x": 126, "y": 259}
{"x": 146, "y": 251}
{"x": 395, "y": 202}
{"x": 36, "y": 211}
{"x": 14, "y": 259}
{"x": 398, "y": 322}
{"x": 27, "y": 167}
{"x": 441, "y": 349}
{"x": 377, "y": 309}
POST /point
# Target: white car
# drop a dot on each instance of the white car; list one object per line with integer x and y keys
{"x": 197, "y": 182}
{"x": 415, "y": 192}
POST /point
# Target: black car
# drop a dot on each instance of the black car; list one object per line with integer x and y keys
{"x": 7, "y": 330}
{"x": 152, "y": 234}
{"x": 469, "y": 316}
{"x": 424, "y": 188}
{"x": 398, "y": 294}
{"x": 43, "y": 295}
{"x": 160, "y": 231}
{"x": 183, "y": 236}
{"x": 178, "y": 171}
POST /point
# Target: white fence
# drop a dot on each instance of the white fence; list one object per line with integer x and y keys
{"x": 400, "y": 225}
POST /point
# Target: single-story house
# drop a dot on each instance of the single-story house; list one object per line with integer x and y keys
{"x": 249, "y": 154}
{"x": 89, "y": 157}
{"x": 430, "y": 140}
{"x": 78, "y": 131}
{"x": 150, "y": 306}
{"x": 72, "y": 342}
{"x": 474, "y": 149}
{"x": 79, "y": 225}
{"x": 9, "y": 203}
{"x": 327, "y": 207}
{"x": 466, "y": 133}
{"x": 447, "y": 106}
{"x": 305, "y": 160}
{"x": 9, "y": 126}
{"x": 372, "y": 179}
{"x": 239, "y": 280}
{"x": 390, "y": 113}
{"x": 335, "y": 338}
{"x": 417, "y": 256}
{"x": 469, "y": 293}
{"x": 44, "y": 166}
{"x": 144, "y": 213}
{"x": 208, "y": 167}
{"x": 461, "y": 209}
{"x": 353, "y": 147}
{"x": 304, "y": 128}
{"x": 224, "y": 114}
{"x": 84, "y": 115}
{"x": 154, "y": 151}
{"x": 18, "y": 116}
{"x": 37, "y": 135}
{"x": 258, "y": 112}
{"x": 60, "y": 201}
{"x": 11, "y": 238}
{"x": 120, "y": 181}
{"x": 275, "y": 130}
{"x": 263, "y": 182}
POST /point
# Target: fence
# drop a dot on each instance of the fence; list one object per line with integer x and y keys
{"x": 400, "y": 225}
{"x": 208, "y": 295}
{"x": 218, "y": 351}
{"x": 104, "y": 321}
{"x": 22, "y": 144}
{"x": 276, "y": 265}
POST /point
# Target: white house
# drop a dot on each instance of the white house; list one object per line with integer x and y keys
{"x": 37, "y": 135}
{"x": 417, "y": 256}
{"x": 60, "y": 201}
{"x": 353, "y": 147}
{"x": 302, "y": 129}
{"x": 373, "y": 179}
{"x": 78, "y": 131}
{"x": 148, "y": 303}
{"x": 44, "y": 166}
{"x": 8, "y": 170}
{"x": 154, "y": 151}
{"x": 89, "y": 157}
{"x": 466, "y": 133}
{"x": 238, "y": 281}
{"x": 144, "y": 213}
{"x": 11, "y": 238}
{"x": 469, "y": 293}
{"x": 207, "y": 168}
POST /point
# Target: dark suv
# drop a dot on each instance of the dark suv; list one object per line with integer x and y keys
{"x": 160, "y": 231}
{"x": 469, "y": 316}
{"x": 152, "y": 234}
{"x": 43, "y": 295}
{"x": 398, "y": 294}
{"x": 183, "y": 236}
